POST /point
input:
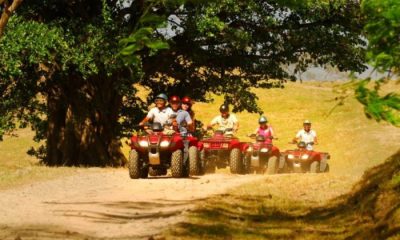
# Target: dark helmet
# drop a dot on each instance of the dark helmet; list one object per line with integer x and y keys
{"x": 301, "y": 145}
{"x": 224, "y": 108}
{"x": 187, "y": 100}
{"x": 262, "y": 119}
{"x": 162, "y": 96}
{"x": 174, "y": 99}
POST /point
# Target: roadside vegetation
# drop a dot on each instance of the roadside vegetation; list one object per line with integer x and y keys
{"x": 301, "y": 207}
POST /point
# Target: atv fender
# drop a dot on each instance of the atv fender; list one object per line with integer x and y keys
{"x": 200, "y": 146}
{"x": 245, "y": 146}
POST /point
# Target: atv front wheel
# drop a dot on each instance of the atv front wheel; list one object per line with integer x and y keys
{"x": 177, "y": 166}
{"x": 194, "y": 163}
{"x": 314, "y": 168}
{"x": 235, "y": 162}
{"x": 134, "y": 165}
{"x": 272, "y": 165}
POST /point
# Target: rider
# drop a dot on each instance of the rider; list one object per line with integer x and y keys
{"x": 186, "y": 104}
{"x": 226, "y": 120}
{"x": 265, "y": 130}
{"x": 182, "y": 117}
{"x": 161, "y": 113}
{"x": 306, "y": 135}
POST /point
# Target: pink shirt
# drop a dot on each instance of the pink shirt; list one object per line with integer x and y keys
{"x": 267, "y": 133}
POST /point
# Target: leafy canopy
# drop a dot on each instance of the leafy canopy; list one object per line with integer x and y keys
{"x": 383, "y": 33}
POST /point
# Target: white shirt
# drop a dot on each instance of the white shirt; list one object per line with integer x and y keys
{"x": 306, "y": 137}
{"x": 225, "y": 123}
{"x": 161, "y": 116}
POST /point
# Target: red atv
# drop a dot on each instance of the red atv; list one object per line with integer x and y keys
{"x": 222, "y": 150}
{"x": 304, "y": 159}
{"x": 260, "y": 156}
{"x": 154, "y": 152}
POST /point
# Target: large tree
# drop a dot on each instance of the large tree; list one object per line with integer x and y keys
{"x": 68, "y": 68}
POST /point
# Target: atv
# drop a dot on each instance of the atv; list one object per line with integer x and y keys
{"x": 260, "y": 156}
{"x": 220, "y": 150}
{"x": 154, "y": 151}
{"x": 305, "y": 159}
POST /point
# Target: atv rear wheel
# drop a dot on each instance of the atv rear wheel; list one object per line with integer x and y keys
{"x": 194, "y": 162}
{"x": 235, "y": 161}
{"x": 327, "y": 168}
{"x": 208, "y": 166}
{"x": 314, "y": 168}
{"x": 272, "y": 165}
{"x": 247, "y": 165}
{"x": 134, "y": 165}
{"x": 177, "y": 165}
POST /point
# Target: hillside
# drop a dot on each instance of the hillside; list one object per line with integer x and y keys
{"x": 82, "y": 203}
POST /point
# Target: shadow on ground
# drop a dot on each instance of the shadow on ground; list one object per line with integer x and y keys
{"x": 370, "y": 211}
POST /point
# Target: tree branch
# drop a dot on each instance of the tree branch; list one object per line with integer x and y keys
{"x": 7, "y": 12}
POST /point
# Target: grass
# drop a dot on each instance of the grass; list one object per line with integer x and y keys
{"x": 281, "y": 206}
{"x": 354, "y": 142}
{"x": 18, "y": 168}
{"x": 311, "y": 206}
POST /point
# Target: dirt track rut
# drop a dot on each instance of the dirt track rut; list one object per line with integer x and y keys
{"x": 105, "y": 204}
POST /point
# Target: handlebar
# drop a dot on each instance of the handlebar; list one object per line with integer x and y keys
{"x": 253, "y": 136}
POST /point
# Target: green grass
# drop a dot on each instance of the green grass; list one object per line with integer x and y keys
{"x": 354, "y": 142}
{"x": 18, "y": 168}
{"x": 308, "y": 206}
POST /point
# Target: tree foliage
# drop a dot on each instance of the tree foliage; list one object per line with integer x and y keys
{"x": 68, "y": 68}
{"x": 228, "y": 47}
{"x": 383, "y": 33}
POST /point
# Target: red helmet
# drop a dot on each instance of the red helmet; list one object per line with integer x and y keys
{"x": 174, "y": 99}
{"x": 187, "y": 100}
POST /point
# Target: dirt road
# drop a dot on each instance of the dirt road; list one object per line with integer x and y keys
{"x": 104, "y": 204}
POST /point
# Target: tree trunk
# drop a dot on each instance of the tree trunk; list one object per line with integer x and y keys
{"x": 83, "y": 124}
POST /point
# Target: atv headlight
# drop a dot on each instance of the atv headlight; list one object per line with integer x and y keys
{"x": 304, "y": 157}
{"x": 206, "y": 145}
{"x": 290, "y": 156}
{"x": 164, "y": 144}
{"x": 249, "y": 149}
{"x": 143, "y": 143}
{"x": 225, "y": 145}
{"x": 264, "y": 150}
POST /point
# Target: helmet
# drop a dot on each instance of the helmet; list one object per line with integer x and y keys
{"x": 262, "y": 119}
{"x": 187, "y": 100}
{"x": 162, "y": 96}
{"x": 174, "y": 99}
{"x": 224, "y": 108}
{"x": 307, "y": 122}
